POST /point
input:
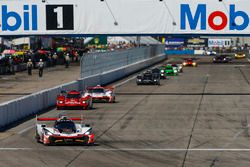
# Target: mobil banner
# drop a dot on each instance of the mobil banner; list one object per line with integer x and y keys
{"x": 124, "y": 17}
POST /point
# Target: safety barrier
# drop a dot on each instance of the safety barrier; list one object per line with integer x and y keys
{"x": 96, "y": 63}
{"x": 17, "y": 68}
{"x": 23, "y": 107}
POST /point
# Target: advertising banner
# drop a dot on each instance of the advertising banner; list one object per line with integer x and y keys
{"x": 219, "y": 42}
{"x": 174, "y": 42}
{"x": 197, "y": 42}
{"x": 124, "y": 17}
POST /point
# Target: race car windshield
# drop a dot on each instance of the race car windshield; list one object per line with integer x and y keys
{"x": 65, "y": 126}
{"x": 96, "y": 91}
{"x": 73, "y": 96}
{"x": 169, "y": 68}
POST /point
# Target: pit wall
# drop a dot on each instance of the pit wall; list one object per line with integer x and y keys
{"x": 26, "y": 106}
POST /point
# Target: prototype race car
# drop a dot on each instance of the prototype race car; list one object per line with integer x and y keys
{"x": 99, "y": 93}
{"x": 190, "y": 62}
{"x": 179, "y": 67}
{"x": 170, "y": 70}
{"x": 73, "y": 99}
{"x": 148, "y": 77}
{"x": 64, "y": 131}
{"x": 239, "y": 55}
{"x": 159, "y": 72}
{"x": 221, "y": 59}
{"x": 210, "y": 53}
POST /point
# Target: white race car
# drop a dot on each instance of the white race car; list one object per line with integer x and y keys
{"x": 100, "y": 93}
{"x": 210, "y": 53}
{"x": 179, "y": 67}
{"x": 64, "y": 131}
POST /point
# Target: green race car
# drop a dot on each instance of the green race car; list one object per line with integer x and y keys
{"x": 169, "y": 70}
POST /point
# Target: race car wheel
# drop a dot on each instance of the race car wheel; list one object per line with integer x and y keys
{"x": 85, "y": 139}
{"x": 59, "y": 108}
{"x": 37, "y": 137}
{"x": 89, "y": 107}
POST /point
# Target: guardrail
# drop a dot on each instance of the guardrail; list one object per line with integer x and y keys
{"x": 23, "y": 107}
{"x": 16, "y": 68}
{"x": 96, "y": 63}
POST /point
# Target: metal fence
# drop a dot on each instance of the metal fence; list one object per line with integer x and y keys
{"x": 97, "y": 63}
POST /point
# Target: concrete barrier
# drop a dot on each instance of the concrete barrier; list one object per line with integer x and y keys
{"x": 33, "y": 104}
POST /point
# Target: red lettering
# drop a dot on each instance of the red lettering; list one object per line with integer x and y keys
{"x": 217, "y": 26}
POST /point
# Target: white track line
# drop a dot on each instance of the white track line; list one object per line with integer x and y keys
{"x": 25, "y": 130}
{"x": 124, "y": 82}
{"x": 127, "y": 149}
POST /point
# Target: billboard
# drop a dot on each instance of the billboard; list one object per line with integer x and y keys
{"x": 197, "y": 42}
{"x": 174, "y": 42}
{"x": 219, "y": 42}
{"x": 128, "y": 17}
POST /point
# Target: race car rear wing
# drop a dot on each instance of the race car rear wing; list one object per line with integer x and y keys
{"x": 55, "y": 119}
{"x": 47, "y": 119}
{"x": 104, "y": 87}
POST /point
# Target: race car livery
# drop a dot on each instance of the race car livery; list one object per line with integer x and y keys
{"x": 221, "y": 59}
{"x": 149, "y": 77}
{"x": 101, "y": 94}
{"x": 169, "y": 70}
{"x": 74, "y": 99}
{"x": 64, "y": 131}
{"x": 210, "y": 53}
{"x": 179, "y": 67}
{"x": 190, "y": 62}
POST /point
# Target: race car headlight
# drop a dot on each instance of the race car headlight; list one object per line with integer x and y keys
{"x": 139, "y": 80}
{"x": 194, "y": 63}
{"x": 155, "y": 80}
{"x": 175, "y": 71}
{"x": 184, "y": 64}
{"x": 214, "y": 59}
{"x": 162, "y": 70}
{"x": 83, "y": 102}
{"x": 224, "y": 59}
{"x": 60, "y": 102}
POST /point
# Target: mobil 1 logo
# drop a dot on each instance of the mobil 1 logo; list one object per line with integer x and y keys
{"x": 59, "y": 17}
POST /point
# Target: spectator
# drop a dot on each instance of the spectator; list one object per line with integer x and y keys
{"x": 40, "y": 67}
{"x": 11, "y": 66}
{"x": 54, "y": 58}
{"x": 49, "y": 61}
{"x": 67, "y": 59}
{"x": 29, "y": 66}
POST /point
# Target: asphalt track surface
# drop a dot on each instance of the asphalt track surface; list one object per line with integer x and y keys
{"x": 199, "y": 118}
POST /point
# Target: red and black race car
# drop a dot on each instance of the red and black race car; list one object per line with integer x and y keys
{"x": 64, "y": 131}
{"x": 74, "y": 99}
{"x": 190, "y": 62}
{"x": 99, "y": 93}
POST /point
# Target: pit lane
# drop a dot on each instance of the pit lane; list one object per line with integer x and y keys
{"x": 199, "y": 118}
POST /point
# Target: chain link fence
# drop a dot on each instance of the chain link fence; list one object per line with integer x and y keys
{"x": 97, "y": 63}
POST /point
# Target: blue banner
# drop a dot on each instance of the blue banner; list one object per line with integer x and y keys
{"x": 174, "y": 42}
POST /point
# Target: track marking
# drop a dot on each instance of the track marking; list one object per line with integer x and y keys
{"x": 25, "y": 130}
{"x": 128, "y": 149}
{"x": 124, "y": 82}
